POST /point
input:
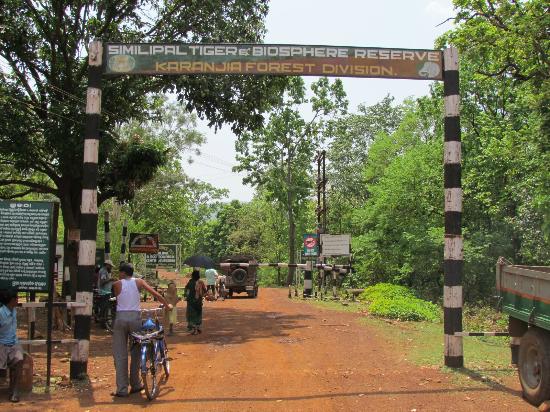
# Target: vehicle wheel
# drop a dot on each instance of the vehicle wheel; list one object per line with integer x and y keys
{"x": 534, "y": 365}
{"x": 239, "y": 276}
{"x": 149, "y": 377}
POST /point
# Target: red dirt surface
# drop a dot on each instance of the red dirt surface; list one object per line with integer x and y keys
{"x": 269, "y": 354}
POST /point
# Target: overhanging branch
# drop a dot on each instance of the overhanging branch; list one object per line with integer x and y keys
{"x": 37, "y": 187}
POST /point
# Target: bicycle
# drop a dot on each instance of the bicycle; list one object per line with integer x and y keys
{"x": 104, "y": 310}
{"x": 153, "y": 353}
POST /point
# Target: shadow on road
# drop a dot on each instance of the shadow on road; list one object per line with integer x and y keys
{"x": 137, "y": 401}
{"x": 478, "y": 376}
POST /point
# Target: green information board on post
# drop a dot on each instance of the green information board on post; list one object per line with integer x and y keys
{"x": 28, "y": 231}
{"x": 167, "y": 257}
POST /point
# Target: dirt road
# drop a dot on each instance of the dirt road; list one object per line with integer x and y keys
{"x": 269, "y": 354}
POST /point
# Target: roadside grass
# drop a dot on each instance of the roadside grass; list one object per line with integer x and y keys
{"x": 486, "y": 359}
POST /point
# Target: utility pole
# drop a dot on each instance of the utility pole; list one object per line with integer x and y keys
{"x": 321, "y": 211}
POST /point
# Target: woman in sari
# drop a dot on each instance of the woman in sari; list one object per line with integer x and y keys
{"x": 194, "y": 292}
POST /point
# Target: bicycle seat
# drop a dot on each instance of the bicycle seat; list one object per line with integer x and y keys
{"x": 149, "y": 324}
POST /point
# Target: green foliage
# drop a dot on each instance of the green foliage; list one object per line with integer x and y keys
{"x": 479, "y": 318}
{"x": 398, "y": 302}
{"x": 43, "y": 50}
{"x": 278, "y": 158}
{"x": 504, "y": 87}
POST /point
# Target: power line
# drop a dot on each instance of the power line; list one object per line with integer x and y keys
{"x": 51, "y": 86}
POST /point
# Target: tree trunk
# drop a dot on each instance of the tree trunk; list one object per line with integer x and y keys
{"x": 70, "y": 209}
{"x": 291, "y": 225}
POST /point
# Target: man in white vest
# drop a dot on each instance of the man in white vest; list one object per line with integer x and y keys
{"x": 128, "y": 320}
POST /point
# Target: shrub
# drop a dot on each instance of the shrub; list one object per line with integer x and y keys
{"x": 398, "y": 302}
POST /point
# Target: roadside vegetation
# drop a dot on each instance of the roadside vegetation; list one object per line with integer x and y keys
{"x": 397, "y": 302}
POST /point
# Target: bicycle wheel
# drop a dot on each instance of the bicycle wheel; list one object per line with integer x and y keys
{"x": 165, "y": 360}
{"x": 149, "y": 373}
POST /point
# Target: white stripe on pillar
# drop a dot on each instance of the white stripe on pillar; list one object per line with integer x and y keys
{"x": 452, "y": 296}
{"x": 89, "y": 202}
{"x": 87, "y": 298}
{"x": 452, "y": 105}
{"x": 450, "y": 58}
{"x": 453, "y": 345}
{"x": 453, "y": 248}
{"x": 453, "y": 152}
{"x": 86, "y": 253}
{"x": 80, "y": 351}
{"x": 91, "y": 150}
{"x": 453, "y": 200}
{"x": 93, "y": 101}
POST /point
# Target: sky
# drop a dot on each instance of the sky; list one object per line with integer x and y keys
{"x": 413, "y": 24}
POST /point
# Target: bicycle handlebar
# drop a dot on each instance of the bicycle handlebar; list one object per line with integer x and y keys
{"x": 154, "y": 310}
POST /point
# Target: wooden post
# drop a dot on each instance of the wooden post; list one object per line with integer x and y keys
{"x": 88, "y": 216}
{"x": 107, "y": 236}
{"x": 334, "y": 291}
{"x": 308, "y": 279}
{"x": 453, "y": 264}
{"x": 123, "y": 257}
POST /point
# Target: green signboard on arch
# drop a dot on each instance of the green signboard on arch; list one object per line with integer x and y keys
{"x": 273, "y": 59}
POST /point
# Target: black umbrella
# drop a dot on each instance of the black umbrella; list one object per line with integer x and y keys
{"x": 199, "y": 261}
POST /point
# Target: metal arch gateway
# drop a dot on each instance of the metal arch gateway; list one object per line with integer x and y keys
{"x": 114, "y": 59}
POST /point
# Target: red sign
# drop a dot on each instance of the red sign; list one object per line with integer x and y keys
{"x": 310, "y": 242}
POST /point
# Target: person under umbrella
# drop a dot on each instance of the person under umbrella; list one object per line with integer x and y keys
{"x": 195, "y": 290}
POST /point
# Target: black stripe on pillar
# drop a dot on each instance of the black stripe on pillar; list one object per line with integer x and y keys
{"x": 452, "y": 128}
{"x": 88, "y": 226}
{"x": 107, "y": 239}
{"x": 452, "y": 319}
{"x": 89, "y": 176}
{"x": 82, "y": 324}
{"x": 450, "y": 85}
{"x": 452, "y": 175}
{"x": 78, "y": 370}
{"x": 453, "y": 272}
{"x": 453, "y": 222}
{"x": 454, "y": 361}
{"x": 94, "y": 76}
{"x": 85, "y": 272}
{"x": 92, "y": 126}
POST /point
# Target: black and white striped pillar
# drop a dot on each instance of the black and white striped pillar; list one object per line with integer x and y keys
{"x": 308, "y": 279}
{"x": 107, "y": 236}
{"x": 453, "y": 264}
{"x": 88, "y": 215}
{"x": 334, "y": 273}
{"x": 123, "y": 257}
